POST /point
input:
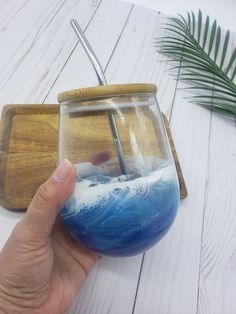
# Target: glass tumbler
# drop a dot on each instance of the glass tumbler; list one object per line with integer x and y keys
{"x": 126, "y": 194}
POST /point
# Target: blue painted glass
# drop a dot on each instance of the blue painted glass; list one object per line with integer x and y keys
{"x": 118, "y": 209}
{"x": 122, "y": 216}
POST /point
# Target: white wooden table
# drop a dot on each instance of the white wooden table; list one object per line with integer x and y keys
{"x": 193, "y": 269}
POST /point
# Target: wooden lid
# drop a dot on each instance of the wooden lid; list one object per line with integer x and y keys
{"x": 106, "y": 91}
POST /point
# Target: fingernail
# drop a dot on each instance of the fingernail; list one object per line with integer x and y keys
{"x": 62, "y": 171}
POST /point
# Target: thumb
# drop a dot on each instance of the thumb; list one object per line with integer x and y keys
{"x": 51, "y": 195}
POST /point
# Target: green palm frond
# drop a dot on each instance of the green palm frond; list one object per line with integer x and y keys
{"x": 200, "y": 53}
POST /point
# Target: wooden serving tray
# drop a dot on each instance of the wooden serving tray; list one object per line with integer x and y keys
{"x": 28, "y": 152}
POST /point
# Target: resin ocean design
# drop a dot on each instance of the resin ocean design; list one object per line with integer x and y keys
{"x": 125, "y": 215}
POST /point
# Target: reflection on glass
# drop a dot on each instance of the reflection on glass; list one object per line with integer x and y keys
{"x": 112, "y": 213}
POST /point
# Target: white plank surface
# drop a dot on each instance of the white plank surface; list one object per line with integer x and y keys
{"x": 193, "y": 269}
{"x": 106, "y": 296}
{"x": 218, "y": 258}
{"x": 135, "y": 58}
{"x": 41, "y": 64}
{"x": 103, "y": 35}
{"x": 20, "y": 86}
{"x": 217, "y": 286}
{"x": 20, "y": 34}
{"x": 131, "y": 58}
{"x": 222, "y": 11}
{"x": 169, "y": 280}
{"x": 8, "y": 11}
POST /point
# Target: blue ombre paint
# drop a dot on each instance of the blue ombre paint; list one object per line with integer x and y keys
{"x": 122, "y": 216}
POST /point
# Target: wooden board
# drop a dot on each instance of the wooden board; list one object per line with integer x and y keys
{"x": 192, "y": 270}
{"x": 28, "y": 152}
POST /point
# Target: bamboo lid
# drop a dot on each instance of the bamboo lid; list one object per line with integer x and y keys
{"x": 106, "y": 91}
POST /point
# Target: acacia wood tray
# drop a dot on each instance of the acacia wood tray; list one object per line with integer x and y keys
{"x": 28, "y": 152}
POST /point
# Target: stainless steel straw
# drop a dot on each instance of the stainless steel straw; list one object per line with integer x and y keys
{"x": 102, "y": 81}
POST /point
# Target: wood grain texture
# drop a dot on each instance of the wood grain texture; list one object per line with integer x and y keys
{"x": 217, "y": 285}
{"x": 108, "y": 22}
{"x": 182, "y": 185}
{"x": 112, "y": 280}
{"x": 169, "y": 278}
{"x": 217, "y": 288}
{"x": 133, "y": 60}
{"x": 29, "y": 144}
{"x": 44, "y": 50}
{"x": 29, "y": 25}
{"x": 39, "y": 58}
{"x": 116, "y": 279}
{"x": 165, "y": 290}
{"x": 106, "y": 90}
{"x": 9, "y": 10}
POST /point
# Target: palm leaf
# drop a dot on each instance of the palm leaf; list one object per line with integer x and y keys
{"x": 199, "y": 53}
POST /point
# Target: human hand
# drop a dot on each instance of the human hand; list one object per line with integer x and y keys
{"x": 42, "y": 268}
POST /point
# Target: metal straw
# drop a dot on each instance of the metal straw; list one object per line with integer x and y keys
{"x": 102, "y": 81}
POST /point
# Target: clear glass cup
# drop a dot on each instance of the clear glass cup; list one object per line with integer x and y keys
{"x": 127, "y": 193}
